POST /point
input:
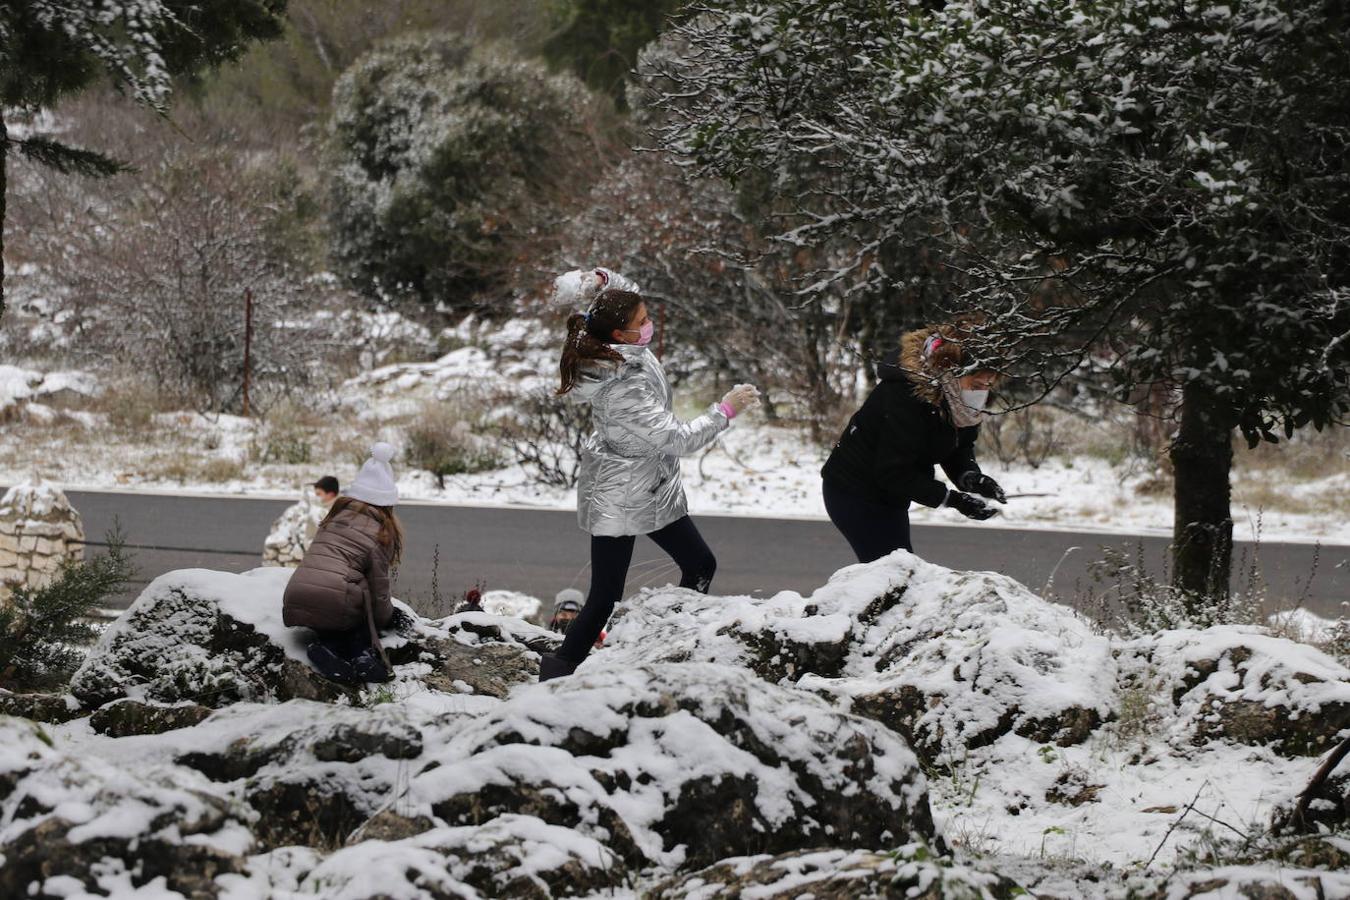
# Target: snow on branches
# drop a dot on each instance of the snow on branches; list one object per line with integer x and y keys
{"x": 1147, "y": 185}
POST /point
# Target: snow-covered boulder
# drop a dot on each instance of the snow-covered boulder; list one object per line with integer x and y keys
{"x": 215, "y": 638}
{"x": 680, "y": 765}
{"x": 952, "y": 660}
{"x": 79, "y": 823}
{"x": 124, "y": 718}
{"x": 212, "y": 638}
{"x": 40, "y": 707}
{"x": 1240, "y": 684}
{"x": 909, "y": 871}
{"x": 509, "y": 856}
{"x": 1254, "y": 882}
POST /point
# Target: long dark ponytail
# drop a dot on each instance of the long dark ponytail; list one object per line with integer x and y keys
{"x": 589, "y": 335}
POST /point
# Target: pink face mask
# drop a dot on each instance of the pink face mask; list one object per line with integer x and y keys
{"x": 644, "y": 334}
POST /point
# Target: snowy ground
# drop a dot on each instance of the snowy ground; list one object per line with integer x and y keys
{"x": 1094, "y": 816}
{"x": 754, "y": 469}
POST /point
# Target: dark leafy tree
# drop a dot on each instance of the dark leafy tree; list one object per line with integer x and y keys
{"x": 599, "y": 40}
{"x": 450, "y": 164}
{"x": 50, "y": 49}
{"x": 1152, "y": 189}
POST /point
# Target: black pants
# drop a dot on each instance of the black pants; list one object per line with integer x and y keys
{"x": 348, "y": 644}
{"x": 610, "y": 557}
{"x": 871, "y": 529}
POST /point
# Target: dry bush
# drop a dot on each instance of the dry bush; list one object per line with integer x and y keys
{"x": 445, "y": 438}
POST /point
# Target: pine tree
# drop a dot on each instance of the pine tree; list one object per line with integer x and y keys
{"x": 41, "y": 628}
{"x": 1154, "y": 188}
{"x": 50, "y": 49}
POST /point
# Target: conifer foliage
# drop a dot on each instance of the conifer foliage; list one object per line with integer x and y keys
{"x": 1150, "y": 187}
{"x": 50, "y": 49}
{"x": 42, "y": 628}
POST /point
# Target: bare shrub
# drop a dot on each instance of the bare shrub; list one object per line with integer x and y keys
{"x": 1030, "y": 434}
{"x": 160, "y": 279}
{"x": 544, "y": 434}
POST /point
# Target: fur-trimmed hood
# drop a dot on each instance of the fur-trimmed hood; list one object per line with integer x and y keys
{"x": 909, "y": 365}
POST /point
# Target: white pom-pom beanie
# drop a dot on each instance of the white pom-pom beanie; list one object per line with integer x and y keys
{"x": 579, "y": 288}
{"x": 374, "y": 484}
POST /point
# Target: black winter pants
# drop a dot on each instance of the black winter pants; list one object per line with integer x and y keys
{"x": 348, "y": 644}
{"x": 610, "y": 558}
{"x": 871, "y": 529}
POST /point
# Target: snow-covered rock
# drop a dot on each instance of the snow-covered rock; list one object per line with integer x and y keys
{"x": 215, "y": 638}
{"x": 1237, "y": 683}
{"x": 713, "y": 747}
{"x": 19, "y": 386}
{"x": 207, "y": 637}
{"x": 76, "y": 822}
{"x": 1258, "y": 881}
{"x": 509, "y": 856}
{"x": 123, "y": 718}
{"x": 40, "y": 707}
{"x": 909, "y": 871}
{"x": 681, "y": 765}
{"x": 952, "y": 660}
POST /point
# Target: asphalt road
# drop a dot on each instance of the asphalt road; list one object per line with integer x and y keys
{"x": 540, "y": 552}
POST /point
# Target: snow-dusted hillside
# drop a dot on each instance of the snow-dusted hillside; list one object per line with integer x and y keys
{"x": 756, "y": 468}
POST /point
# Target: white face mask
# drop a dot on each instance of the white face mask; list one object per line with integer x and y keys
{"x": 975, "y": 399}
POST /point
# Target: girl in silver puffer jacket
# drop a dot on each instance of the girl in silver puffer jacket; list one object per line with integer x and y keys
{"x": 629, "y": 482}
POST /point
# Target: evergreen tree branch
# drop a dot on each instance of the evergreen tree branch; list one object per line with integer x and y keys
{"x": 67, "y": 159}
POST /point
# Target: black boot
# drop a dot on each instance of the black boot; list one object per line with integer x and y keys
{"x": 330, "y": 665}
{"x": 551, "y": 667}
{"x": 368, "y": 667}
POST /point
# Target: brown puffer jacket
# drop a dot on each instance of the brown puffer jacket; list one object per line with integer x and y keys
{"x": 343, "y": 581}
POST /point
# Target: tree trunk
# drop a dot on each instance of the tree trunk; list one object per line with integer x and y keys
{"x": 1202, "y": 531}
{"x": 4, "y": 163}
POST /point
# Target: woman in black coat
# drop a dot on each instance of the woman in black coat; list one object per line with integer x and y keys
{"x": 921, "y": 414}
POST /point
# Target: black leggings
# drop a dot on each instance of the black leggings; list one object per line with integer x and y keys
{"x": 610, "y": 557}
{"x": 871, "y": 529}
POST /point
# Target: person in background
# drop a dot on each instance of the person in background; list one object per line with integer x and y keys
{"x": 566, "y": 606}
{"x": 629, "y": 483}
{"x": 925, "y": 411}
{"x": 341, "y": 589}
{"x": 472, "y": 602}
{"x": 326, "y": 490}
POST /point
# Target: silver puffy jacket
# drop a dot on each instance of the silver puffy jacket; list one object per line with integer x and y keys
{"x": 630, "y": 465}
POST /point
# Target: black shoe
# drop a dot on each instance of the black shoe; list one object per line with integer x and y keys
{"x": 330, "y": 665}
{"x": 551, "y": 667}
{"x": 368, "y": 667}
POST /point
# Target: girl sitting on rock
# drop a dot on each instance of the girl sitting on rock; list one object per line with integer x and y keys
{"x": 629, "y": 482}
{"x": 341, "y": 589}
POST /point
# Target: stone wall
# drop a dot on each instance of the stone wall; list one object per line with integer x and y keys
{"x": 39, "y": 530}
{"x": 293, "y": 532}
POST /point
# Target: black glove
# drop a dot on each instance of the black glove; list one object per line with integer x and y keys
{"x": 400, "y": 621}
{"x": 982, "y": 484}
{"x": 970, "y": 507}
